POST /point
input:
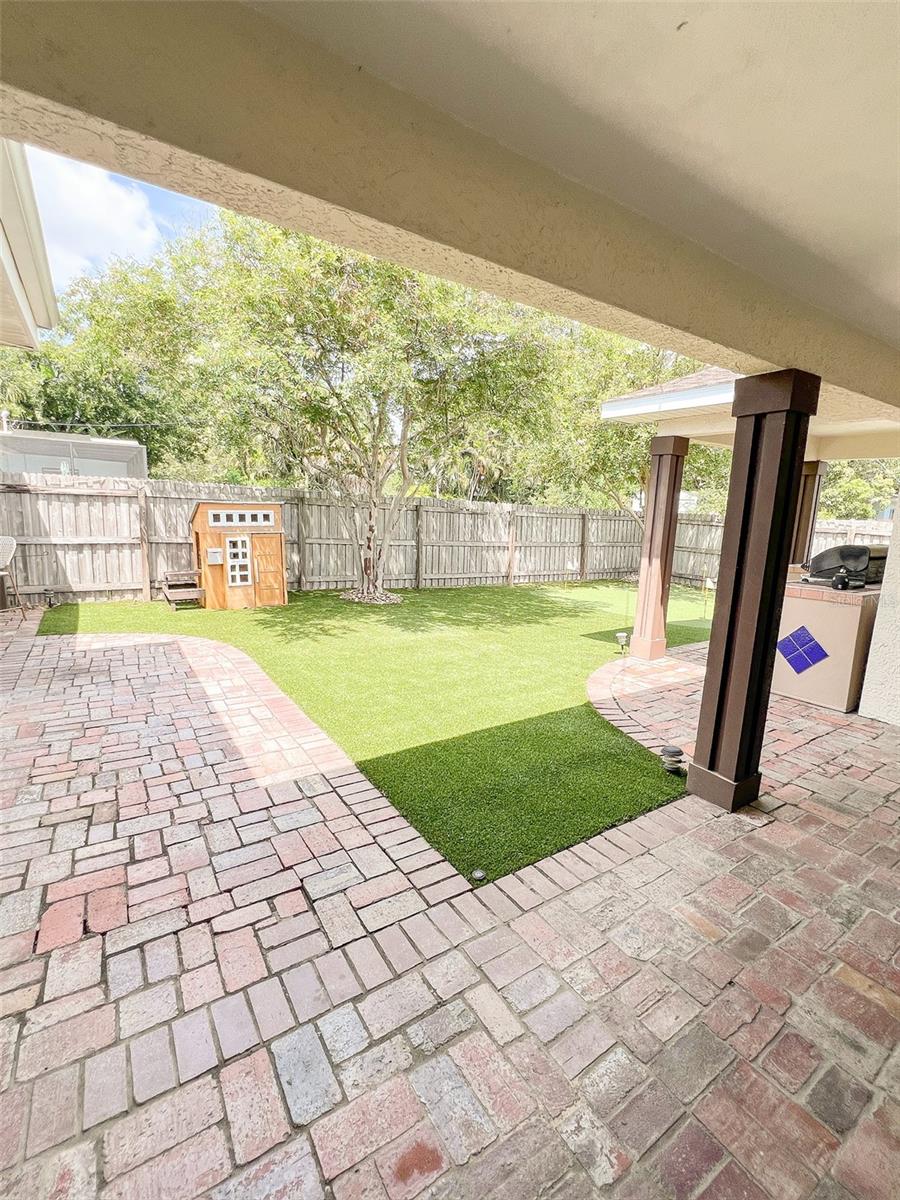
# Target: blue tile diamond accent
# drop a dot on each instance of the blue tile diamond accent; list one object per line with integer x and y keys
{"x": 801, "y": 650}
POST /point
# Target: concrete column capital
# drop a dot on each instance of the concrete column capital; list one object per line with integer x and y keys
{"x": 777, "y": 391}
{"x": 677, "y": 446}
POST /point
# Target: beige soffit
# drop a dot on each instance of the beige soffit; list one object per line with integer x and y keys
{"x": 268, "y": 122}
{"x": 27, "y": 298}
{"x": 698, "y": 406}
{"x": 753, "y": 129}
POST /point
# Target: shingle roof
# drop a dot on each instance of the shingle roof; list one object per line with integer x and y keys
{"x": 705, "y": 377}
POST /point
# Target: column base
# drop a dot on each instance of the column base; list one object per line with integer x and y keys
{"x": 729, "y": 794}
{"x": 647, "y": 648}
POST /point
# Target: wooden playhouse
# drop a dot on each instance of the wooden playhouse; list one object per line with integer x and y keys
{"x": 239, "y": 552}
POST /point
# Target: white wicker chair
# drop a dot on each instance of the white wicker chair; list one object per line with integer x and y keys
{"x": 7, "y": 550}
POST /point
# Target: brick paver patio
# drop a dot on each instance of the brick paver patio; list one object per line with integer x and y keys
{"x": 229, "y": 968}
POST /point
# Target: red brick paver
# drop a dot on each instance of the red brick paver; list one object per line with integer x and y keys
{"x": 230, "y": 969}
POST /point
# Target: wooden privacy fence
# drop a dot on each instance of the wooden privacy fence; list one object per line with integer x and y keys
{"x": 114, "y": 539}
{"x": 851, "y": 533}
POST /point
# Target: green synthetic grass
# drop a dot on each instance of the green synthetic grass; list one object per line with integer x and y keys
{"x": 466, "y": 706}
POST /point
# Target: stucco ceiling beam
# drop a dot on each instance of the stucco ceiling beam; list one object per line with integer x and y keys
{"x": 216, "y": 101}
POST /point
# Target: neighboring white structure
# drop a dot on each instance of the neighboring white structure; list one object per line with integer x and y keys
{"x": 37, "y": 453}
{"x": 27, "y": 304}
{"x": 27, "y": 299}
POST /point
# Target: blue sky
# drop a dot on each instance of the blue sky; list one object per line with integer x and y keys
{"x": 90, "y": 215}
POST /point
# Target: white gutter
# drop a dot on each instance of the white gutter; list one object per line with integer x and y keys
{"x": 24, "y": 235}
{"x": 662, "y": 404}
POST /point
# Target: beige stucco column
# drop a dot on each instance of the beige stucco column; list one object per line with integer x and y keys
{"x": 881, "y": 686}
{"x": 660, "y": 518}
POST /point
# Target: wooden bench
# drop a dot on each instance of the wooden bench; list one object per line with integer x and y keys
{"x": 181, "y": 587}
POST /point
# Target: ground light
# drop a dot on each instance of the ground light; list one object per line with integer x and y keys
{"x": 672, "y": 759}
{"x": 467, "y": 707}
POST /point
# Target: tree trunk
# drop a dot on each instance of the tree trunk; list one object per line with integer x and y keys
{"x": 371, "y": 580}
{"x": 371, "y": 547}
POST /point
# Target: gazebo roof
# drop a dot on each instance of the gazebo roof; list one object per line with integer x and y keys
{"x": 703, "y": 378}
{"x": 698, "y": 406}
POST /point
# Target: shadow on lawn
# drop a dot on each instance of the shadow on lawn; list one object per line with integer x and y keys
{"x": 62, "y": 618}
{"x": 503, "y": 797}
{"x": 312, "y": 616}
{"x": 678, "y": 633}
{"x": 320, "y": 614}
{"x": 684, "y": 633}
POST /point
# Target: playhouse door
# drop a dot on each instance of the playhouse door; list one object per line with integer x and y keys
{"x": 268, "y": 569}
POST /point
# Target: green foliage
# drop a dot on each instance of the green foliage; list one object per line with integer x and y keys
{"x": 120, "y": 363}
{"x": 246, "y": 352}
{"x": 360, "y": 377}
{"x": 354, "y": 372}
{"x": 578, "y": 458}
{"x": 859, "y": 489}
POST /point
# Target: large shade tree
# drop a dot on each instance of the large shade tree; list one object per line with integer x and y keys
{"x": 583, "y": 459}
{"x": 123, "y": 361}
{"x": 364, "y": 377}
{"x": 249, "y": 354}
{"x": 859, "y": 489}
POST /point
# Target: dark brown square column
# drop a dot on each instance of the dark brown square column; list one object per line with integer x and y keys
{"x": 807, "y": 507}
{"x": 660, "y": 519}
{"x": 772, "y": 418}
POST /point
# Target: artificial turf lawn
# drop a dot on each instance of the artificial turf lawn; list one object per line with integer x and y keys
{"x": 466, "y": 706}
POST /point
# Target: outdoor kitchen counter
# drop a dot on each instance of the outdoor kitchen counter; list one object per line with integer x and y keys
{"x": 823, "y": 643}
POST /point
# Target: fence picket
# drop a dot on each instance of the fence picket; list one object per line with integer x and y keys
{"x": 96, "y": 539}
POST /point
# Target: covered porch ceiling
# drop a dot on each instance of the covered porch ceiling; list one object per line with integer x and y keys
{"x": 749, "y": 128}
{"x": 698, "y": 407}
{"x": 688, "y": 176}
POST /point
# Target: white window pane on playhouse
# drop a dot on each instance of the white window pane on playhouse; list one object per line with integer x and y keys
{"x": 238, "y": 561}
{"x": 228, "y": 516}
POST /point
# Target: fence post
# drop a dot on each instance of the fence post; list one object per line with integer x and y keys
{"x": 420, "y": 545}
{"x": 301, "y": 544}
{"x": 143, "y": 529}
{"x": 511, "y": 567}
{"x": 608, "y": 540}
{"x": 585, "y": 546}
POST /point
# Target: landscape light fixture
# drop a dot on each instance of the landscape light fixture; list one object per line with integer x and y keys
{"x": 672, "y": 759}
{"x": 622, "y": 639}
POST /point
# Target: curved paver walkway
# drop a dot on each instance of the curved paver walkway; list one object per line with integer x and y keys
{"x": 656, "y": 703}
{"x": 229, "y": 969}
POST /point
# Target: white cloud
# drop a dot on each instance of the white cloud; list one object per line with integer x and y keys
{"x": 89, "y": 215}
